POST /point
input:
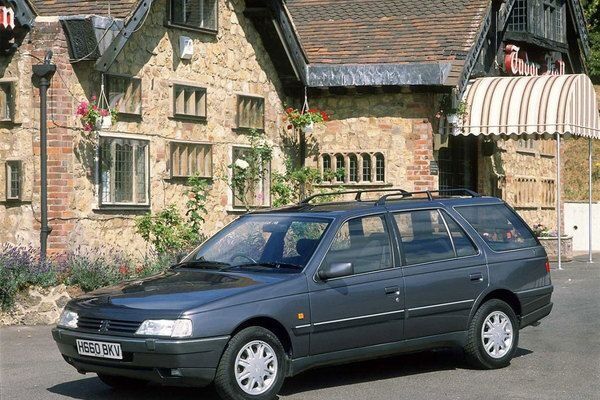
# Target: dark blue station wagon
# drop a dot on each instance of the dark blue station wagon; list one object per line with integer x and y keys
{"x": 280, "y": 291}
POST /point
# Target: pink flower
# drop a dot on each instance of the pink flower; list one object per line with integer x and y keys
{"x": 82, "y": 109}
{"x": 94, "y": 98}
{"x": 104, "y": 113}
{"x": 88, "y": 127}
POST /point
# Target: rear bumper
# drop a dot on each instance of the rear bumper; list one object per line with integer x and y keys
{"x": 190, "y": 362}
{"x": 536, "y": 315}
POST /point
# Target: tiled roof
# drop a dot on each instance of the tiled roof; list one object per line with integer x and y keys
{"x": 386, "y": 31}
{"x": 117, "y": 8}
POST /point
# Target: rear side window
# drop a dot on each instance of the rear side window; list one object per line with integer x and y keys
{"x": 499, "y": 227}
{"x": 424, "y": 236}
{"x": 462, "y": 243}
{"x": 364, "y": 242}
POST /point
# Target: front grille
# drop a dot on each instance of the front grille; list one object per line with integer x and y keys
{"x": 108, "y": 325}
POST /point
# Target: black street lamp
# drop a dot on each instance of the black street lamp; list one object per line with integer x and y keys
{"x": 44, "y": 73}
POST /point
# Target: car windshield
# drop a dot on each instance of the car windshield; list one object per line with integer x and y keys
{"x": 261, "y": 242}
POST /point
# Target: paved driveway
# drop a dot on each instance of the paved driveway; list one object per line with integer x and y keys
{"x": 560, "y": 359}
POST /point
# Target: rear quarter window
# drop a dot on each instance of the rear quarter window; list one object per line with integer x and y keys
{"x": 498, "y": 226}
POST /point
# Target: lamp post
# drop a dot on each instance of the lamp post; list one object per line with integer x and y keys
{"x": 44, "y": 73}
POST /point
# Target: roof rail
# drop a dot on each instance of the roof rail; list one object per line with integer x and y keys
{"x": 463, "y": 192}
{"x": 358, "y": 192}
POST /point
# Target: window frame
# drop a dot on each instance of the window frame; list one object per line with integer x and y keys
{"x": 8, "y": 168}
{"x": 131, "y": 78}
{"x": 208, "y": 174}
{"x": 239, "y": 97}
{"x": 195, "y": 89}
{"x": 334, "y": 229}
{"x": 169, "y": 23}
{"x": 10, "y": 100}
{"x": 441, "y": 211}
{"x": 100, "y": 192}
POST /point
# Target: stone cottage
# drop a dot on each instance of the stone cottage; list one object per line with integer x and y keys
{"x": 189, "y": 77}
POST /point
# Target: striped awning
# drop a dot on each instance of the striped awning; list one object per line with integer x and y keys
{"x": 531, "y": 106}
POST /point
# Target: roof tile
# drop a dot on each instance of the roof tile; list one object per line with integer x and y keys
{"x": 386, "y": 31}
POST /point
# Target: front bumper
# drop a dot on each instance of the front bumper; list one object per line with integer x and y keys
{"x": 191, "y": 362}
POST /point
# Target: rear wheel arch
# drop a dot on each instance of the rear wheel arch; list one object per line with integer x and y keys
{"x": 501, "y": 294}
{"x": 272, "y": 325}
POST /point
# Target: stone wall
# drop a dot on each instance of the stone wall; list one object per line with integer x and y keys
{"x": 38, "y": 306}
{"x": 398, "y": 125}
{"x": 526, "y": 171}
{"x": 231, "y": 62}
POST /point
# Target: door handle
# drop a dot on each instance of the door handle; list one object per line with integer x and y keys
{"x": 392, "y": 290}
{"x": 478, "y": 276}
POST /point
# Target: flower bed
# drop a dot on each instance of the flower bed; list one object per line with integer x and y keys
{"x": 32, "y": 292}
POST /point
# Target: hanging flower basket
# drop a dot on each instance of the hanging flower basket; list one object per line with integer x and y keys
{"x": 305, "y": 121}
{"x": 94, "y": 117}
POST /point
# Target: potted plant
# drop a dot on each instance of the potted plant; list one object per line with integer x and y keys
{"x": 305, "y": 121}
{"x": 549, "y": 239}
{"x": 94, "y": 117}
{"x": 453, "y": 114}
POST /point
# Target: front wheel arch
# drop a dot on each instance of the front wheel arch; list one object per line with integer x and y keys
{"x": 272, "y": 325}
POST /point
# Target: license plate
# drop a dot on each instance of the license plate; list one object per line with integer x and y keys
{"x": 99, "y": 349}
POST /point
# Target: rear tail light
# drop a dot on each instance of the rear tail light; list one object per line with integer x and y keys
{"x": 547, "y": 266}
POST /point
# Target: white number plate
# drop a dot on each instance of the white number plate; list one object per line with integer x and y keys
{"x": 99, "y": 349}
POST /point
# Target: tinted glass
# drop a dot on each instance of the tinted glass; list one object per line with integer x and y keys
{"x": 498, "y": 226}
{"x": 462, "y": 243}
{"x": 424, "y": 236}
{"x": 264, "y": 240}
{"x": 364, "y": 242}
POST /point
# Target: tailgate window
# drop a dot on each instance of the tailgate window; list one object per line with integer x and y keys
{"x": 498, "y": 226}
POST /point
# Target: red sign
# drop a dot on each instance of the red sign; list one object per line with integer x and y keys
{"x": 516, "y": 62}
{"x": 7, "y": 18}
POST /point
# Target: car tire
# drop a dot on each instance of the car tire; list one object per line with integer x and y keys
{"x": 493, "y": 336}
{"x": 241, "y": 376}
{"x": 121, "y": 382}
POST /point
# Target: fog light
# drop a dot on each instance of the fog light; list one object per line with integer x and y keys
{"x": 176, "y": 372}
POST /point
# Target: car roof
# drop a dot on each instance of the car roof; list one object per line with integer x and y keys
{"x": 350, "y": 208}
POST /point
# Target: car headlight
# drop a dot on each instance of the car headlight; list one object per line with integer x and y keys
{"x": 68, "y": 319}
{"x": 178, "y": 328}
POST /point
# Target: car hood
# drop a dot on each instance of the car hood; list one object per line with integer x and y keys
{"x": 176, "y": 290}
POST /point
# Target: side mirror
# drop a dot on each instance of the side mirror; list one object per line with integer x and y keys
{"x": 180, "y": 256}
{"x": 336, "y": 270}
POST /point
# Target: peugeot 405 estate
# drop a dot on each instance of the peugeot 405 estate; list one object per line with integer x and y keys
{"x": 277, "y": 292}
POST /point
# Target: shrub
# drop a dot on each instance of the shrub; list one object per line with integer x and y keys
{"x": 20, "y": 267}
{"x": 89, "y": 270}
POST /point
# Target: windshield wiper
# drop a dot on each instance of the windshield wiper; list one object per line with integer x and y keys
{"x": 202, "y": 264}
{"x": 275, "y": 265}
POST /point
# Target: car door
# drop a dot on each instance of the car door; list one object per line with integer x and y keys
{"x": 366, "y": 307}
{"x": 444, "y": 272}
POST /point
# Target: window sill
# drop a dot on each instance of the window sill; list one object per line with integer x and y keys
{"x": 189, "y": 118}
{"x": 527, "y": 152}
{"x": 109, "y": 208}
{"x": 244, "y": 130}
{"x": 547, "y": 155}
{"x": 357, "y": 185}
{"x": 207, "y": 31}
{"x": 184, "y": 178}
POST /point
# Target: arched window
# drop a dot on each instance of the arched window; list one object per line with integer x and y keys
{"x": 326, "y": 162}
{"x": 379, "y": 167}
{"x": 340, "y": 167}
{"x": 353, "y": 168}
{"x": 366, "y": 168}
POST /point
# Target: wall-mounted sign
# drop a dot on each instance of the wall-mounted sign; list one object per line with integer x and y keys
{"x": 517, "y": 62}
{"x": 7, "y": 18}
